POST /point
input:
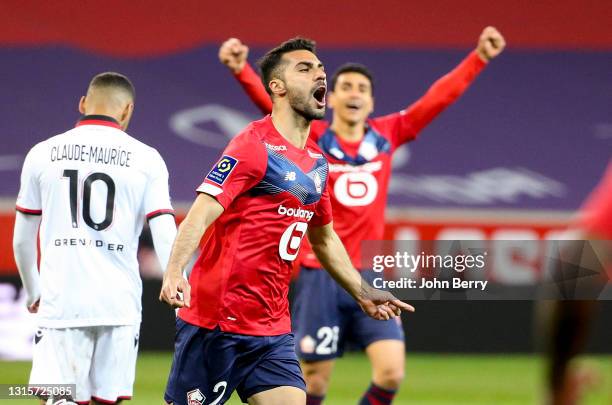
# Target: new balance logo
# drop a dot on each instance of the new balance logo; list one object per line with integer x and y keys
{"x": 290, "y": 176}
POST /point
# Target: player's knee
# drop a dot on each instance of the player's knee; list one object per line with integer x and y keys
{"x": 316, "y": 382}
{"x": 389, "y": 377}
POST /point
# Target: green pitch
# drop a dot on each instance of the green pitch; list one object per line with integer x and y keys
{"x": 438, "y": 379}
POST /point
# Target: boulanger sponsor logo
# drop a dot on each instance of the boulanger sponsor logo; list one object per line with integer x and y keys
{"x": 289, "y": 244}
{"x": 356, "y": 189}
{"x": 295, "y": 212}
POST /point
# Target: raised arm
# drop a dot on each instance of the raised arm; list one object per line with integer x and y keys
{"x": 406, "y": 124}
{"x": 204, "y": 211}
{"x": 331, "y": 253}
{"x": 233, "y": 54}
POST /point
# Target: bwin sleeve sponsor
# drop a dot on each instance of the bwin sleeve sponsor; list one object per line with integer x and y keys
{"x": 295, "y": 212}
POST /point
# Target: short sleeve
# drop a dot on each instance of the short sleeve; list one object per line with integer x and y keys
{"x": 323, "y": 209}
{"x": 241, "y": 166}
{"x": 29, "y": 200}
{"x": 157, "y": 194}
{"x": 596, "y": 214}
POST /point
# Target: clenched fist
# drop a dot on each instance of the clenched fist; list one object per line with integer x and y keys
{"x": 233, "y": 54}
{"x": 490, "y": 44}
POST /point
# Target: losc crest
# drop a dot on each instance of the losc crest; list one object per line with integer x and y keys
{"x": 59, "y": 402}
{"x": 195, "y": 397}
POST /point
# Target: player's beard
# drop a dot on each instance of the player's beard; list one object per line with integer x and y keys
{"x": 301, "y": 104}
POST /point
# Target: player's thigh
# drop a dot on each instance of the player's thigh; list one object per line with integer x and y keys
{"x": 63, "y": 356}
{"x": 388, "y": 358}
{"x": 113, "y": 365}
{"x": 275, "y": 367}
{"x": 279, "y": 396}
{"x": 316, "y": 316}
{"x": 204, "y": 365}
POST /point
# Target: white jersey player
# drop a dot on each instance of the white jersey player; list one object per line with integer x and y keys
{"x": 90, "y": 189}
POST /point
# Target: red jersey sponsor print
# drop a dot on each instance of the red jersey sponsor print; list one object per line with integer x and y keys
{"x": 359, "y": 172}
{"x": 359, "y": 175}
{"x": 271, "y": 191}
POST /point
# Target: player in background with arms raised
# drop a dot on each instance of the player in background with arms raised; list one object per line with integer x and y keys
{"x": 90, "y": 190}
{"x": 267, "y": 191}
{"x": 359, "y": 149}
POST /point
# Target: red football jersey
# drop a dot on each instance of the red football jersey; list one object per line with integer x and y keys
{"x": 596, "y": 214}
{"x": 271, "y": 191}
{"x": 359, "y": 172}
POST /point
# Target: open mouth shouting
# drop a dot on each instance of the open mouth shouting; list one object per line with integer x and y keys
{"x": 353, "y": 105}
{"x": 319, "y": 95}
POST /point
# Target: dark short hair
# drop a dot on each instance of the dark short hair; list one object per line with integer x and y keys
{"x": 271, "y": 61}
{"x": 113, "y": 79}
{"x": 352, "y": 68}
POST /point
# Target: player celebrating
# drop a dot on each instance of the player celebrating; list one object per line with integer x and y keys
{"x": 90, "y": 189}
{"x": 359, "y": 150}
{"x": 268, "y": 188}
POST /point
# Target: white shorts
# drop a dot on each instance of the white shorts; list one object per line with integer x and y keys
{"x": 99, "y": 360}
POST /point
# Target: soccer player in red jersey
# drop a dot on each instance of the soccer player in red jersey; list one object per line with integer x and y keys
{"x": 359, "y": 149}
{"x": 266, "y": 192}
{"x": 572, "y": 317}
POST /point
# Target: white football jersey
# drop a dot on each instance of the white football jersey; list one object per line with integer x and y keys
{"x": 94, "y": 185}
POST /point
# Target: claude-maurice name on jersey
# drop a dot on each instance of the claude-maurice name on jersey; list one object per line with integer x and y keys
{"x": 91, "y": 154}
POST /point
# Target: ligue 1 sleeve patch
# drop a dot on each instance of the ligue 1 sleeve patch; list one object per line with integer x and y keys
{"x": 222, "y": 169}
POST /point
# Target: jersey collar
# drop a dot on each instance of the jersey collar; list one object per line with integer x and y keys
{"x": 371, "y": 145}
{"x": 103, "y": 120}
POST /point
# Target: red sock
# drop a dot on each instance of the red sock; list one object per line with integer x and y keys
{"x": 314, "y": 399}
{"x": 377, "y": 396}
